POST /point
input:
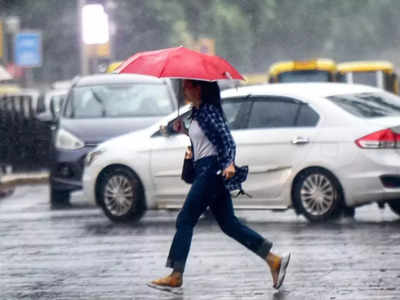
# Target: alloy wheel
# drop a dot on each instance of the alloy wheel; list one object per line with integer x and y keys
{"x": 317, "y": 194}
{"x": 119, "y": 195}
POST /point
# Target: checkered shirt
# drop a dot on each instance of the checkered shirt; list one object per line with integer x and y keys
{"x": 212, "y": 122}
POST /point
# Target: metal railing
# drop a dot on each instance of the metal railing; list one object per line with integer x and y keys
{"x": 24, "y": 140}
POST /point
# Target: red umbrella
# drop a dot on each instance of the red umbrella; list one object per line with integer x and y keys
{"x": 179, "y": 62}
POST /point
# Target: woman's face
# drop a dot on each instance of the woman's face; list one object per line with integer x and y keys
{"x": 191, "y": 92}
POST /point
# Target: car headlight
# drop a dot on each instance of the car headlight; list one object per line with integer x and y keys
{"x": 67, "y": 141}
{"x": 92, "y": 155}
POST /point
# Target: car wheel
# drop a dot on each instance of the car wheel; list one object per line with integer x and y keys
{"x": 317, "y": 195}
{"x": 395, "y": 206}
{"x": 121, "y": 195}
{"x": 59, "y": 199}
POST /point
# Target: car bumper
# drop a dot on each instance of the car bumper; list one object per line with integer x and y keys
{"x": 363, "y": 181}
{"x": 66, "y": 171}
{"x": 89, "y": 178}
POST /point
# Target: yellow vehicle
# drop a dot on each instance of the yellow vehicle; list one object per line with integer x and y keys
{"x": 375, "y": 73}
{"x": 254, "y": 78}
{"x": 316, "y": 70}
{"x": 113, "y": 66}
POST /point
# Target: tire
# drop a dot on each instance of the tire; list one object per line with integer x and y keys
{"x": 121, "y": 195}
{"x": 318, "y": 195}
{"x": 395, "y": 206}
{"x": 59, "y": 199}
{"x": 349, "y": 212}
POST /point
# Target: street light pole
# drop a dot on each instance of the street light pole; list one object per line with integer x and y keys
{"x": 3, "y": 43}
{"x": 12, "y": 28}
{"x": 111, "y": 7}
{"x": 84, "y": 66}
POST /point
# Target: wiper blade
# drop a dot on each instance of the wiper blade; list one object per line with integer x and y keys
{"x": 99, "y": 100}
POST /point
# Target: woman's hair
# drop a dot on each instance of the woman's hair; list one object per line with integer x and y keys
{"x": 210, "y": 93}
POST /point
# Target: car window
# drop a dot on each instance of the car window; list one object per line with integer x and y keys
{"x": 273, "y": 112}
{"x": 119, "y": 100}
{"x": 305, "y": 76}
{"x": 367, "y": 78}
{"x": 168, "y": 129}
{"x": 369, "y": 105}
{"x": 307, "y": 117}
{"x": 236, "y": 111}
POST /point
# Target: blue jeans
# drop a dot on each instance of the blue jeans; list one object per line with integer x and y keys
{"x": 208, "y": 190}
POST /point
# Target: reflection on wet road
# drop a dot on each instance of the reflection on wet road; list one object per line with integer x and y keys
{"x": 77, "y": 253}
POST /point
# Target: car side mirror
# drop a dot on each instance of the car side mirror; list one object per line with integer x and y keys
{"x": 46, "y": 117}
{"x": 53, "y": 110}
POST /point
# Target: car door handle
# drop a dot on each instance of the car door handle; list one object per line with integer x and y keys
{"x": 300, "y": 140}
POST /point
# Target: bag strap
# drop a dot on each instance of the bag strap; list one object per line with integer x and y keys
{"x": 242, "y": 192}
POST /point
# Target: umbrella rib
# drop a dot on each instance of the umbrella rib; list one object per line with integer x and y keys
{"x": 165, "y": 65}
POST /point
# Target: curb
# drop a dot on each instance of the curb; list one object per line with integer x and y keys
{"x": 12, "y": 180}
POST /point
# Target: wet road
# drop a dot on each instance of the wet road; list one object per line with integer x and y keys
{"x": 77, "y": 253}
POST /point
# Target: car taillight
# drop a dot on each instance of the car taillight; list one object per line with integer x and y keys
{"x": 382, "y": 139}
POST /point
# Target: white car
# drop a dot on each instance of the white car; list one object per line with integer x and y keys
{"x": 315, "y": 147}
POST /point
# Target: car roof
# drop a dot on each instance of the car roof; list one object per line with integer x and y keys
{"x": 302, "y": 90}
{"x": 116, "y": 78}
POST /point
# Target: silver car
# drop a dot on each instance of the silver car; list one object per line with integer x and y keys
{"x": 99, "y": 107}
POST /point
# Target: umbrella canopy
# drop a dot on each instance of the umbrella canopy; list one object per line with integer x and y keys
{"x": 180, "y": 63}
{"x": 4, "y": 75}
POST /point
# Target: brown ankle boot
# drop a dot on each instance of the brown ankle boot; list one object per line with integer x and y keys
{"x": 171, "y": 281}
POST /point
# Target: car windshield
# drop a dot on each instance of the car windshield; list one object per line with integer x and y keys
{"x": 304, "y": 76}
{"x": 369, "y": 105}
{"x": 119, "y": 100}
{"x": 368, "y": 78}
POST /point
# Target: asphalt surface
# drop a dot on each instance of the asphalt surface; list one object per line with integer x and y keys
{"x": 77, "y": 253}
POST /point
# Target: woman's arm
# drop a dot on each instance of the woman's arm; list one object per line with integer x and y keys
{"x": 225, "y": 144}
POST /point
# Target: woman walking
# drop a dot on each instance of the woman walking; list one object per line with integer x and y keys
{"x": 213, "y": 151}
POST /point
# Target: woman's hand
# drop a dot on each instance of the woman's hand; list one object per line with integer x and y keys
{"x": 188, "y": 153}
{"x": 178, "y": 126}
{"x": 229, "y": 172}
